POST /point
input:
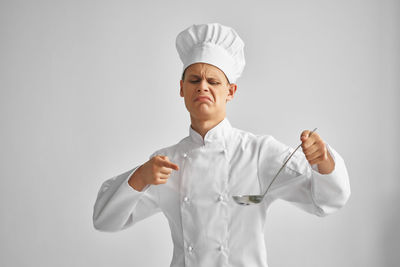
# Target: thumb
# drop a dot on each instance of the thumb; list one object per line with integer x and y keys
{"x": 304, "y": 135}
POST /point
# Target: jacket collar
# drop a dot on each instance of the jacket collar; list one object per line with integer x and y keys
{"x": 216, "y": 135}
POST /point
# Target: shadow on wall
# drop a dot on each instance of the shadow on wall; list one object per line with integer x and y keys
{"x": 390, "y": 237}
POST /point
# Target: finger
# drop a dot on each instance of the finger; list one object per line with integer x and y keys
{"x": 307, "y": 134}
{"x": 165, "y": 170}
{"x": 171, "y": 165}
{"x": 314, "y": 156}
{"x": 304, "y": 135}
{"x": 163, "y": 176}
{"x": 317, "y": 160}
{"x": 310, "y": 140}
{"x": 310, "y": 150}
{"x": 164, "y": 158}
{"x": 307, "y": 143}
{"x": 164, "y": 162}
{"x": 317, "y": 146}
{"x": 161, "y": 181}
{"x": 304, "y": 139}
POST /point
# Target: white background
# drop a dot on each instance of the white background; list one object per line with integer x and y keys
{"x": 89, "y": 89}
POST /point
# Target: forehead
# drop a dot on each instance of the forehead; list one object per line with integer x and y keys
{"x": 204, "y": 69}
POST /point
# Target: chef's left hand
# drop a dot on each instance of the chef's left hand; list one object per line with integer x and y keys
{"x": 316, "y": 152}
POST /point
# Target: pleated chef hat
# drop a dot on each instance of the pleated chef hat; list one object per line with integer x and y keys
{"x": 214, "y": 44}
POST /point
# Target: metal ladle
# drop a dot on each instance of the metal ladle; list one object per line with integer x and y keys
{"x": 255, "y": 199}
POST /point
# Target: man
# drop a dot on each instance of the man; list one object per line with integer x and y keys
{"x": 193, "y": 181}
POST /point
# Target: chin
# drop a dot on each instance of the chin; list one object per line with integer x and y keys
{"x": 203, "y": 115}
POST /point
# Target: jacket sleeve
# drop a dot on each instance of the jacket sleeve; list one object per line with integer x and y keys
{"x": 119, "y": 206}
{"x": 299, "y": 182}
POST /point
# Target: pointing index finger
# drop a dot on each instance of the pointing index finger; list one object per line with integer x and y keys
{"x": 171, "y": 165}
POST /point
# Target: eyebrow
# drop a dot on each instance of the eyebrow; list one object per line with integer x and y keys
{"x": 199, "y": 77}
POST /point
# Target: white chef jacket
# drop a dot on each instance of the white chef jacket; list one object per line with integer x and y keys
{"x": 208, "y": 228}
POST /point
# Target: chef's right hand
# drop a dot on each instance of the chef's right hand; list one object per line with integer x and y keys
{"x": 155, "y": 171}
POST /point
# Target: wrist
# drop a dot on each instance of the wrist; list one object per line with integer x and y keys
{"x": 326, "y": 166}
{"x": 136, "y": 181}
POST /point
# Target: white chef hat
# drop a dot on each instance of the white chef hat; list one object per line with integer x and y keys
{"x": 214, "y": 44}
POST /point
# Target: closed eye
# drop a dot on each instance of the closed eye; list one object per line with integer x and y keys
{"x": 213, "y": 83}
{"x": 209, "y": 81}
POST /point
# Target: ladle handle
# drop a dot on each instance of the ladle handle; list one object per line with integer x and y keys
{"x": 276, "y": 175}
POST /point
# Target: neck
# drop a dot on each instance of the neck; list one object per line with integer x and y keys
{"x": 202, "y": 126}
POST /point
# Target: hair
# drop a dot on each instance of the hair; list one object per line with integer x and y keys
{"x": 183, "y": 76}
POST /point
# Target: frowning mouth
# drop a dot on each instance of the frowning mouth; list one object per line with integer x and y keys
{"x": 203, "y": 98}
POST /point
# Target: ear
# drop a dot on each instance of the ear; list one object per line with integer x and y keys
{"x": 181, "y": 91}
{"x": 232, "y": 91}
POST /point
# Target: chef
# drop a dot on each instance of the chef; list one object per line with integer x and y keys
{"x": 192, "y": 182}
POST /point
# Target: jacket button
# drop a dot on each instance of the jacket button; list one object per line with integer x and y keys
{"x": 184, "y": 155}
{"x": 190, "y": 248}
{"x": 186, "y": 199}
{"x": 220, "y": 198}
{"x": 221, "y": 248}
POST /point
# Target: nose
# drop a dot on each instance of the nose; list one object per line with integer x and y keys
{"x": 203, "y": 86}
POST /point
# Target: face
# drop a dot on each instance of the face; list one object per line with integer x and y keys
{"x": 206, "y": 91}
